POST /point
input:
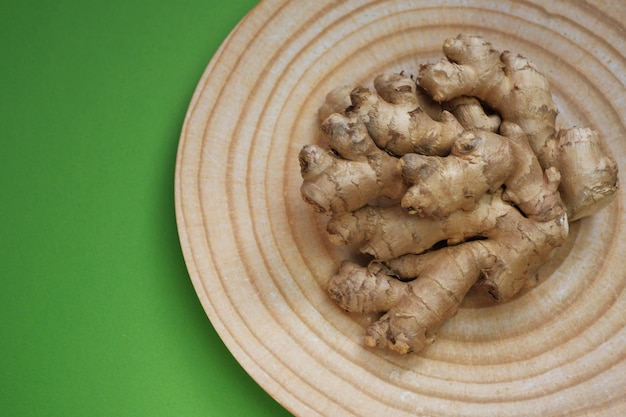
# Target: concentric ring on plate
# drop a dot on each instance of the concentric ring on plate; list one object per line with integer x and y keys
{"x": 258, "y": 257}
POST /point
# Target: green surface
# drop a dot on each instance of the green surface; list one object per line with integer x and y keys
{"x": 99, "y": 317}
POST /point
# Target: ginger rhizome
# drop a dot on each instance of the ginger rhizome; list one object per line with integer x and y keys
{"x": 458, "y": 177}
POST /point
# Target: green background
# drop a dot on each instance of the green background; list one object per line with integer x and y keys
{"x": 98, "y": 315}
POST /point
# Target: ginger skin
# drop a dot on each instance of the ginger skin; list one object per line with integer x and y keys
{"x": 478, "y": 190}
{"x": 471, "y": 114}
{"x": 436, "y": 281}
{"x": 478, "y": 163}
{"x": 335, "y": 185}
{"x": 513, "y": 86}
{"x": 389, "y": 232}
{"x": 397, "y": 121}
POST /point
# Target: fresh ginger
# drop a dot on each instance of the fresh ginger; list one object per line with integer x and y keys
{"x": 478, "y": 162}
{"x": 329, "y": 181}
{"x": 398, "y": 120}
{"x": 389, "y": 232}
{"x": 471, "y": 114}
{"x": 452, "y": 179}
{"x": 513, "y": 86}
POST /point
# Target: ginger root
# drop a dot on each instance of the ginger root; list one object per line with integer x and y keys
{"x": 329, "y": 181}
{"x": 512, "y": 86}
{"x": 452, "y": 179}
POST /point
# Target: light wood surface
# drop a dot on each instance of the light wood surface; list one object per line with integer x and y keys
{"x": 258, "y": 256}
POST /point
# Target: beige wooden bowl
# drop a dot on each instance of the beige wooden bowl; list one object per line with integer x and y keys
{"x": 258, "y": 256}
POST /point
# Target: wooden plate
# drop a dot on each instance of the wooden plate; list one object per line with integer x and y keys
{"x": 258, "y": 257}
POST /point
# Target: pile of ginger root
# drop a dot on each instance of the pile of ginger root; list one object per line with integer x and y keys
{"x": 454, "y": 178}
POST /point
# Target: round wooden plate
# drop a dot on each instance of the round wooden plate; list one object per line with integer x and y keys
{"x": 259, "y": 258}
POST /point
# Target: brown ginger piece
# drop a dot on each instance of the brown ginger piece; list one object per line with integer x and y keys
{"x": 470, "y": 200}
{"x": 390, "y": 232}
{"x": 387, "y": 233}
{"x": 589, "y": 174}
{"x": 337, "y": 101}
{"x": 513, "y": 86}
{"x": 479, "y": 162}
{"x": 361, "y": 173}
{"x": 472, "y": 115}
{"x": 533, "y": 190}
{"x": 436, "y": 281}
{"x": 400, "y": 120}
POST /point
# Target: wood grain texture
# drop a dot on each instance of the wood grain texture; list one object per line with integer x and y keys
{"x": 258, "y": 256}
